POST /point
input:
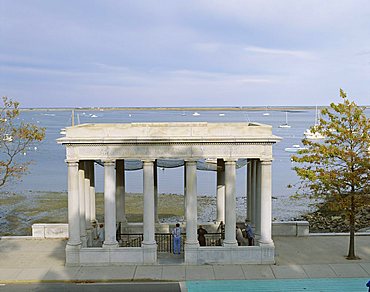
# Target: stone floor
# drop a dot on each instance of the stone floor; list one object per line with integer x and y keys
{"x": 35, "y": 260}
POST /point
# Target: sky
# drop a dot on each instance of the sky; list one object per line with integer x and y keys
{"x": 138, "y": 53}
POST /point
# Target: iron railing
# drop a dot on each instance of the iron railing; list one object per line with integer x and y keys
{"x": 165, "y": 240}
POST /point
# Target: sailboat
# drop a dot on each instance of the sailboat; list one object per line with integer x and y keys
{"x": 294, "y": 148}
{"x": 285, "y": 125}
{"x": 314, "y": 135}
{"x": 266, "y": 113}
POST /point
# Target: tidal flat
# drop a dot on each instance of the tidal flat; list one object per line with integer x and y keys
{"x": 19, "y": 211}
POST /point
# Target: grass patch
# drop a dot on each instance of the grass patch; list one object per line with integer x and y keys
{"x": 10, "y": 199}
{"x": 51, "y": 207}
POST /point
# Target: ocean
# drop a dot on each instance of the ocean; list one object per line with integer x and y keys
{"x": 49, "y": 170}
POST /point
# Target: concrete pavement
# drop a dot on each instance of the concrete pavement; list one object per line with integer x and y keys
{"x": 42, "y": 260}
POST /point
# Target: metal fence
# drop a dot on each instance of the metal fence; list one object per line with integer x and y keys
{"x": 165, "y": 240}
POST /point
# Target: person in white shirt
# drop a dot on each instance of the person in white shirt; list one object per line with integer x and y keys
{"x": 176, "y": 232}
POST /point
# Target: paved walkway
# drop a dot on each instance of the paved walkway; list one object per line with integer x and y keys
{"x": 32, "y": 260}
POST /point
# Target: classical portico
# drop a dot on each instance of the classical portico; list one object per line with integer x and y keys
{"x": 223, "y": 144}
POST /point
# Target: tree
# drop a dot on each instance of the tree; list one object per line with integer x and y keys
{"x": 15, "y": 138}
{"x": 336, "y": 170}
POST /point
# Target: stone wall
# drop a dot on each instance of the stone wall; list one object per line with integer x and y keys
{"x": 289, "y": 228}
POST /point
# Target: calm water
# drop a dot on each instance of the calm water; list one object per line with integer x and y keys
{"x": 49, "y": 171}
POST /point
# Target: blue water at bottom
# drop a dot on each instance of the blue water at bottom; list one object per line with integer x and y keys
{"x": 332, "y": 284}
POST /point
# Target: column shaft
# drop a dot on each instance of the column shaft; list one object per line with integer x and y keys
{"x": 148, "y": 216}
{"x": 249, "y": 191}
{"x": 184, "y": 191}
{"x": 220, "y": 190}
{"x": 87, "y": 194}
{"x": 82, "y": 203}
{"x": 120, "y": 191}
{"x": 254, "y": 191}
{"x": 258, "y": 198}
{"x": 73, "y": 205}
{"x": 109, "y": 204}
{"x": 266, "y": 203}
{"x": 155, "y": 174}
{"x": 92, "y": 190}
{"x": 191, "y": 203}
{"x": 230, "y": 203}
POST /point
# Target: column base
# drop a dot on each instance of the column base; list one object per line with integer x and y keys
{"x": 110, "y": 244}
{"x": 264, "y": 242}
{"x": 232, "y": 243}
{"x": 73, "y": 254}
{"x": 267, "y": 253}
{"x": 191, "y": 243}
{"x": 191, "y": 253}
{"x": 149, "y": 243}
{"x": 149, "y": 253}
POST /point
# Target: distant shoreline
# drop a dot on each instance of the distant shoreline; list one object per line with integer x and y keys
{"x": 235, "y": 108}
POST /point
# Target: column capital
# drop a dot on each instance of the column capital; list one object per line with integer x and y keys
{"x": 190, "y": 161}
{"x": 148, "y": 161}
{"x": 109, "y": 162}
{"x": 266, "y": 161}
{"x": 230, "y": 161}
{"x": 72, "y": 162}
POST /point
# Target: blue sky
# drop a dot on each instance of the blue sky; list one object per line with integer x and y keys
{"x": 184, "y": 53}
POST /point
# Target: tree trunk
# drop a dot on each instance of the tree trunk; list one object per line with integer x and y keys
{"x": 351, "y": 252}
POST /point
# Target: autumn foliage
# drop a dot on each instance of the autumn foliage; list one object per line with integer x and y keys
{"x": 15, "y": 139}
{"x": 336, "y": 170}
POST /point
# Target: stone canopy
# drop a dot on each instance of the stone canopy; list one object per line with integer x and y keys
{"x": 219, "y": 144}
{"x": 191, "y": 140}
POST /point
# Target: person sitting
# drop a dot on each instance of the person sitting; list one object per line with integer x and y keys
{"x": 201, "y": 238}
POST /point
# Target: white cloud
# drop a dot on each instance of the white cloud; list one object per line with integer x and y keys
{"x": 288, "y": 53}
{"x": 185, "y": 52}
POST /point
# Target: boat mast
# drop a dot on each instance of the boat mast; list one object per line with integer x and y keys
{"x": 73, "y": 117}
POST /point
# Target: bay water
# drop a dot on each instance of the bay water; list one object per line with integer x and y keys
{"x": 49, "y": 170}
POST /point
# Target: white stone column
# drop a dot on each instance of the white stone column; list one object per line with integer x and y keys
{"x": 88, "y": 217}
{"x": 155, "y": 174}
{"x": 254, "y": 191}
{"x": 249, "y": 191}
{"x": 258, "y": 199}
{"x": 230, "y": 204}
{"x": 148, "y": 215}
{"x": 266, "y": 196}
{"x": 220, "y": 190}
{"x": 184, "y": 191}
{"x": 73, "y": 205}
{"x": 120, "y": 191}
{"x": 81, "y": 202}
{"x": 109, "y": 205}
{"x": 92, "y": 190}
{"x": 191, "y": 204}
{"x": 87, "y": 194}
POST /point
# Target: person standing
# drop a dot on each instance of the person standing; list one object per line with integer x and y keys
{"x": 176, "y": 232}
{"x": 239, "y": 236}
{"x": 249, "y": 232}
{"x": 101, "y": 234}
{"x": 201, "y": 238}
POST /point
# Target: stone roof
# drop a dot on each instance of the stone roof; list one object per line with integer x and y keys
{"x": 169, "y": 132}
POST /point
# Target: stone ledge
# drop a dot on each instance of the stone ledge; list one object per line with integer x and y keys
{"x": 288, "y": 228}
